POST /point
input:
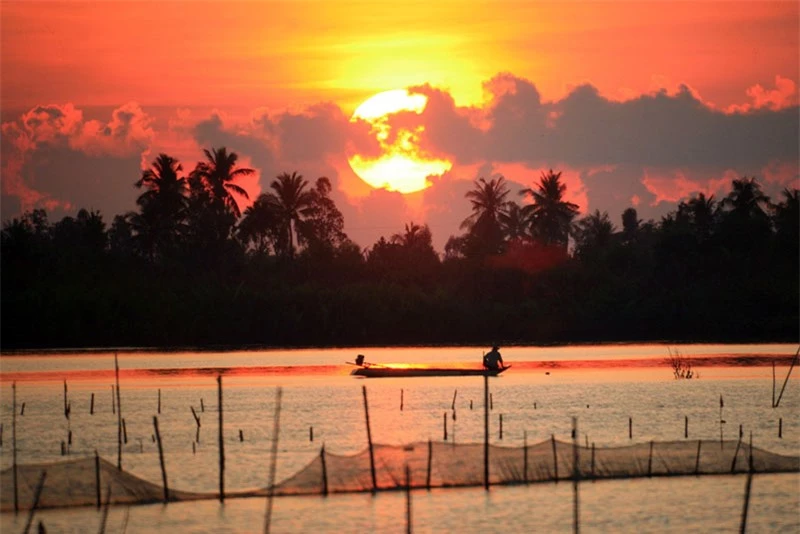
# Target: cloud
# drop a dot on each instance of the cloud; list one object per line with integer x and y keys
{"x": 649, "y": 150}
{"x": 55, "y": 159}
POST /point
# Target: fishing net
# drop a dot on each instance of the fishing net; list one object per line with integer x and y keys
{"x": 89, "y": 482}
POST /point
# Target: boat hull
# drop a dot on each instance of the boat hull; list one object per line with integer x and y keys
{"x": 388, "y": 372}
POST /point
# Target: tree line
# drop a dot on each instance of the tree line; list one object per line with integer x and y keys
{"x": 187, "y": 268}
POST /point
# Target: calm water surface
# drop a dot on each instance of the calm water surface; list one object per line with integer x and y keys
{"x": 601, "y": 385}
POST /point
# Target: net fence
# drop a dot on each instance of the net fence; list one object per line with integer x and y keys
{"x": 91, "y": 481}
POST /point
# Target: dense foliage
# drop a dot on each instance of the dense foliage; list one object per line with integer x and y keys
{"x": 187, "y": 269}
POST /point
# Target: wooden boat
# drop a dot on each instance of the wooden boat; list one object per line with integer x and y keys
{"x": 372, "y": 370}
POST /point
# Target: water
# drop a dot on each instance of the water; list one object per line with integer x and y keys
{"x": 602, "y": 385}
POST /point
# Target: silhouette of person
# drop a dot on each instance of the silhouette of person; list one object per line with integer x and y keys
{"x": 493, "y": 360}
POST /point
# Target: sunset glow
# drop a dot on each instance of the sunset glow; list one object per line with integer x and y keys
{"x": 401, "y": 166}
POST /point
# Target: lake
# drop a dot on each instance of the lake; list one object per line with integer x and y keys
{"x": 607, "y": 387}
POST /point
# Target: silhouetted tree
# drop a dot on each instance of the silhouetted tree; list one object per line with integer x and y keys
{"x": 485, "y": 233}
{"x": 551, "y": 216}
{"x": 160, "y": 223}
{"x": 218, "y": 173}
{"x": 514, "y": 221}
{"x": 320, "y": 226}
{"x": 630, "y": 225}
{"x": 292, "y": 202}
{"x": 593, "y": 235}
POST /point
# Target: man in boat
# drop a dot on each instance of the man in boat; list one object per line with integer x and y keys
{"x": 493, "y": 360}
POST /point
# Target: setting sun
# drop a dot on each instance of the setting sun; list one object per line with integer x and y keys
{"x": 401, "y": 166}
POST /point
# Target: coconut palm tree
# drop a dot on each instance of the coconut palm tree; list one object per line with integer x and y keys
{"x": 218, "y": 173}
{"x": 514, "y": 221}
{"x": 593, "y": 234}
{"x": 162, "y": 206}
{"x": 488, "y": 199}
{"x": 292, "y": 203}
{"x": 260, "y": 224}
{"x": 702, "y": 214}
{"x": 551, "y": 217}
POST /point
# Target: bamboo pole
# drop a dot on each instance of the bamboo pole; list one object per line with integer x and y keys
{"x": 455, "y": 394}
{"x": 736, "y": 454}
{"x": 773, "y": 383}
{"x": 159, "y": 401}
{"x": 324, "y": 471}
{"x": 650, "y": 460}
{"x": 91, "y": 405}
{"x": 369, "y": 441}
{"x": 686, "y": 427}
{"x": 525, "y": 456}
{"x": 119, "y": 414}
{"x": 630, "y": 427}
{"x": 401, "y": 399}
{"x": 14, "y": 444}
{"x": 408, "y": 500}
{"x": 697, "y": 459}
{"x": 97, "y": 478}
{"x": 555, "y": 457}
{"x": 161, "y": 460}
{"x": 36, "y": 495}
{"x": 221, "y": 442}
{"x": 104, "y": 517}
{"x": 593, "y": 461}
{"x": 113, "y": 400}
{"x": 430, "y": 463}
{"x": 486, "y": 397}
{"x": 276, "y": 426}
{"x": 501, "y": 426}
{"x": 576, "y": 475}
{"x": 788, "y": 374}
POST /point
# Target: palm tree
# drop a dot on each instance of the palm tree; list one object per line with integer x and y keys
{"x": 514, "y": 221}
{"x": 218, "y": 173}
{"x": 162, "y": 206}
{"x": 488, "y": 201}
{"x": 593, "y": 234}
{"x": 260, "y": 225}
{"x": 551, "y": 217}
{"x": 702, "y": 213}
{"x": 292, "y": 203}
{"x": 746, "y": 200}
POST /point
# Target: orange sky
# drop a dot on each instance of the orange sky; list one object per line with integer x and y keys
{"x": 254, "y": 75}
{"x": 293, "y": 53}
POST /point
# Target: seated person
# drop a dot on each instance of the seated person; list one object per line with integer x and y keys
{"x": 493, "y": 360}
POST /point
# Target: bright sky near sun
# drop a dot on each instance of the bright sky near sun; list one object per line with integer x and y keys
{"x": 631, "y": 100}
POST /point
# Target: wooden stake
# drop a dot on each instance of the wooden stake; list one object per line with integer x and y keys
{"x": 697, "y": 460}
{"x": 401, "y": 399}
{"x": 408, "y": 500}
{"x": 273, "y": 459}
{"x": 486, "y": 398}
{"x": 91, "y": 405}
{"x": 773, "y": 383}
{"x": 430, "y": 461}
{"x": 369, "y": 441}
{"x": 555, "y": 457}
{"x": 788, "y": 374}
{"x": 444, "y": 420}
{"x": 113, "y": 400}
{"x": 576, "y": 475}
{"x": 501, "y": 426}
{"x": 241, "y": 436}
{"x": 736, "y": 454}
{"x": 650, "y": 460}
{"x": 161, "y": 460}
{"x": 124, "y": 432}
{"x": 311, "y": 433}
{"x": 780, "y": 427}
{"x": 36, "y": 495}
{"x": 202, "y": 407}
{"x": 630, "y": 427}
{"x": 14, "y": 444}
{"x": 97, "y": 478}
{"x": 593, "y": 460}
{"x": 455, "y": 394}
{"x": 119, "y": 414}
{"x": 221, "y": 441}
{"x": 686, "y": 427}
{"x": 22, "y": 410}
{"x": 491, "y": 402}
{"x": 159, "y": 401}
{"x": 324, "y": 471}
{"x": 525, "y": 456}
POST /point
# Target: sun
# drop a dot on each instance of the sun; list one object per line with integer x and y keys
{"x": 401, "y": 166}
